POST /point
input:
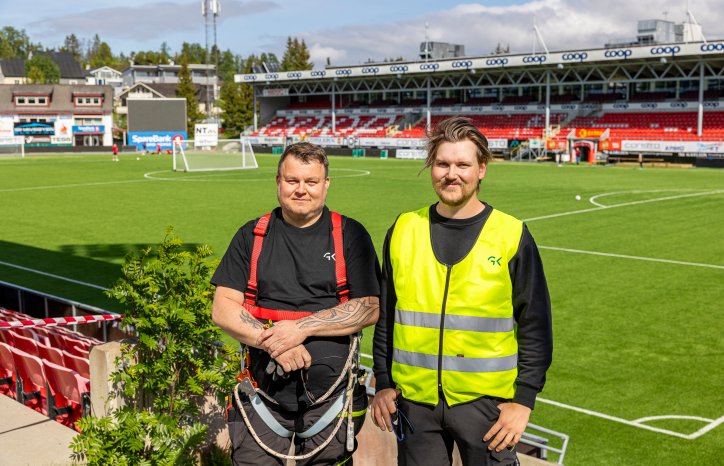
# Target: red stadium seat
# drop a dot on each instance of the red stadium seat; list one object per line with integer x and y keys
{"x": 56, "y": 339}
{"x": 31, "y": 379}
{"x": 78, "y": 364}
{"x": 53, "y": 355}
{"x": 7, "y": 371}
{"x": 41, "y": 335}
{"x": 25, "y": 344}
{"x": 7, "y": 337}
{"x": 68, "y": 394}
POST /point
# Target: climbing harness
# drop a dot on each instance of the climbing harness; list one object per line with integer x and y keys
{"x": 343, "y": 405}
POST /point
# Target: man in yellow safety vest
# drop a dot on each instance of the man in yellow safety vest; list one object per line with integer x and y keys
{"x": 464, "y": 337}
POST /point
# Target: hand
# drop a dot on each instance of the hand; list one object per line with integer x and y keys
{"x": 383, "y": 406}
{"x": 283, "y": 336}
{"x": 511, "y": 424}
{"x": 294, "y": 359}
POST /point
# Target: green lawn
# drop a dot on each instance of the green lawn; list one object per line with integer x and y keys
{"x": 634, "y": 337}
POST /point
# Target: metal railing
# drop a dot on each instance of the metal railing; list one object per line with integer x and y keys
{"x": 47, "y": 298}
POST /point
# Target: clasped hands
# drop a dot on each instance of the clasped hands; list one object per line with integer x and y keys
{"x": 283, "y": 341}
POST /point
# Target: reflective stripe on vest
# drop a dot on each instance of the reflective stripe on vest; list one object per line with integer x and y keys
{"x": 454, "y": 326}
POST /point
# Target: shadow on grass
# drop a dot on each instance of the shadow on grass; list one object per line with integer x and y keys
{"x": 76, "y": 272}
{"x": 114, "y": 252}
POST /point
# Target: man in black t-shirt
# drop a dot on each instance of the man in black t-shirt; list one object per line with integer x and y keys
{"x": 296, "y": 362}
{"x": 464, "y": 336}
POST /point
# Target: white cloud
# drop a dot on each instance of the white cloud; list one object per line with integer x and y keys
{"x": 319, "y": 54}
{"x": 564, "y": 25}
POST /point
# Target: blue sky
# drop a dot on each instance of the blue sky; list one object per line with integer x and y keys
{"x": 351, "y": 32}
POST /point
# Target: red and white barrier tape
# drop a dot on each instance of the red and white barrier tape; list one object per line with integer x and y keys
{"x": 54, "y": 321}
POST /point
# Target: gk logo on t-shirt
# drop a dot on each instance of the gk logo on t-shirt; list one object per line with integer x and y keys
{"x": 330, "y": 256}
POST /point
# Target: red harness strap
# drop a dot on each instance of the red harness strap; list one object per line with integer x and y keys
{"x": 251, "y": 293}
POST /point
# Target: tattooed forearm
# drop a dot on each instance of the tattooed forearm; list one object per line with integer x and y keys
{"x": 353, "y": 315}
{"x": 248, "y": 319}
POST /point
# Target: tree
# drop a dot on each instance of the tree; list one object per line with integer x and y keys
{"x": 102, "y": 56}
{"x": 296, "y": 56}
{"x": 41, "y": 69}
{"x": 236, "y": 113}
{"x": 228, "y": 65}
{"x": 194, "y": 53}
{"x": 165, "y": 55}
{"x": 71, "y": 45}
{"x": 176, "y": 360}
{"x": 15, "y": 43}
{"x": 186, "y": 89}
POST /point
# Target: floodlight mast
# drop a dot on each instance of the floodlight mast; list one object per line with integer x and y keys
{"x": 427, "y": 57}
{"x": 210, "y": 9}
{"x": 692, "y": 20}
{"x": 539, "y": 37}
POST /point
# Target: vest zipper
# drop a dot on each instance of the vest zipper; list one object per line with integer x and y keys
{"x": 442, "y": 328}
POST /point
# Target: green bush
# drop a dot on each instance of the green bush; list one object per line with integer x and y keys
{"x": 175, "y": 360}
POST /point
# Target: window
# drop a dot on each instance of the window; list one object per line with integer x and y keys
{"x": 85, "y": 101}
{"x": 87, "y": 121}
{"x": 30, "y": 101}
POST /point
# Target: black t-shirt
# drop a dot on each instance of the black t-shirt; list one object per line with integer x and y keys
{"x": 296, "y": 271}
{"x": 453, "y": 238}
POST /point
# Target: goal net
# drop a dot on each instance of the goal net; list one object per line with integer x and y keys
{"x": 229, "y": 154}
{"x": 12, "y": 147}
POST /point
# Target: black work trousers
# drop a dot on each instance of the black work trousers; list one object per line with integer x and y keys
{"x": 436, "y": 428}
{"x": 245, "y": 451}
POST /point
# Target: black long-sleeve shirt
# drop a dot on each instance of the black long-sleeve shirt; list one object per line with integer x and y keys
{"x": 452, "y": 240}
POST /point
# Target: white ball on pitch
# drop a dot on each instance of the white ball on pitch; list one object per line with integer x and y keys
{"x": 578, "y": 198}
{"x": 138, "y": 158}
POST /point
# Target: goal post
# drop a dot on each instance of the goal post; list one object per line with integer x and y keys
{"x": 229, "y": 154}
{"x": 12, "y": 147}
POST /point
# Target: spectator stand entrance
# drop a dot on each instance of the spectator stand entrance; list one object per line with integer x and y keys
{"x": 616, "y": 100}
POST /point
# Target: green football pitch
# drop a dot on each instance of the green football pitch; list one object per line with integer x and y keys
{"x": 635, "y": 270}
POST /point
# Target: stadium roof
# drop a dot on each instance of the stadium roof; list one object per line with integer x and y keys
{"x": 521, "y": 62}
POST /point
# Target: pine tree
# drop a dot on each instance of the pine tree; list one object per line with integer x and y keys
{"x": 72, "y": 46}
{"x": 296, "y": 56}
{"x": 187, "y": 90}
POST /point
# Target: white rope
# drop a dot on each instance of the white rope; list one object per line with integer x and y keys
{"x": 349, "y": 368}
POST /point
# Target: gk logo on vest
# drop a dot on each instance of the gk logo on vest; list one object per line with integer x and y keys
{"x": 494, "y": 260}
{"x": 330, "y": 256}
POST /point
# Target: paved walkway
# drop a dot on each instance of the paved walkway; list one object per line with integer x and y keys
{"x": 29, "y": 438}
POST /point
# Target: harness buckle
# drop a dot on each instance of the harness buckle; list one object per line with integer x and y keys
{"x": 248, "y": 387}
{"x": 251, "y": 295}
{"x": 343, "y": 293}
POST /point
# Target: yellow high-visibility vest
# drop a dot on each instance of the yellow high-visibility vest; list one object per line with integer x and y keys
{"x": 454, "y": 326}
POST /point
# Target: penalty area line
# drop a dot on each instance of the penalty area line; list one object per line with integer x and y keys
{"x": 600, "y": 207}
{"x": 640, "y": 258}
{"x": 639, "y": 425}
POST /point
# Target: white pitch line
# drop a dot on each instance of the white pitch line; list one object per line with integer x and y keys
{"x": 58, "y": 277}
{"x": 707, "y": 428}
{"x": 623, "y": 204}
{"x": 214, "y": 176}
{"x": 625, "y": 256}
{"x": 621, "y": 420}
{"x": 74, "y": 185}
{"x": 673, "y": 416}
{"x": 638, "y": 422}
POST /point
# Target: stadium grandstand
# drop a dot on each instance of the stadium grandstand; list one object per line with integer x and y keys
{"x": 661, "y": 99}
{"x": 44, "y": 362}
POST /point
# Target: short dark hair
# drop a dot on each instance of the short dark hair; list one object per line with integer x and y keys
{"x": 456, "y": 129}
{"x": 306, "y": 152}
